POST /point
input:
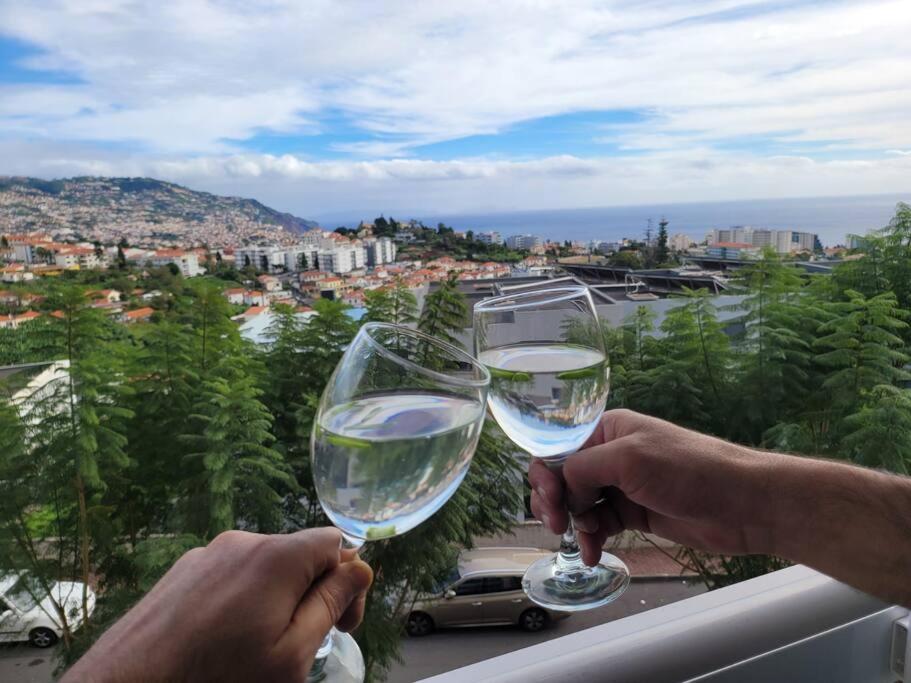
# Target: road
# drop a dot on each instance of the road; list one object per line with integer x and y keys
{"x": 22, "y": 663}
{"x": 452, "y": 648}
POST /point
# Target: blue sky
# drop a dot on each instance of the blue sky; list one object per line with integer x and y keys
{"x": 441, "y": 106}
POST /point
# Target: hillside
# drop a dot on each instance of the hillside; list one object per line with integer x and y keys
{"x": 142, "y": 210}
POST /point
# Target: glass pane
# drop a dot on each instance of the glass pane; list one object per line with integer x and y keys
{"x": 470, "y": 587}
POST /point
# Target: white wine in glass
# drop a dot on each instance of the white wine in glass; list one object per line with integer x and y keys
{"x": 550, "y": 381}
{"x": 394, "y": 434}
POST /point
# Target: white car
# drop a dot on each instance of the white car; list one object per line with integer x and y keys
{"x": 27, "y": 612}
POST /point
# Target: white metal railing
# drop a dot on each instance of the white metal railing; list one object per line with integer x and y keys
{"x": 792, "y": 625}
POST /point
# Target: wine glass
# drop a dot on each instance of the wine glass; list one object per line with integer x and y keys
{"x": 395, "y": 431}
{"x": 549, "y": 384}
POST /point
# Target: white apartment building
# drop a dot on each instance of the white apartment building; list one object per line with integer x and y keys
{"x": 527, "y": 242}
{"x": 804, "y": 241}
{"x": 24, "y": 253}
{"x": 680, "y": 242}
{"x": 293, "y": 255}
{"x": 78, "y": 257}
{"x": 490, "y": 237}
{"x": 782, "y": 241}
{"x": 267, "y": 258}
{"x": 186, "y": 261}
{"x": 380, "y": 250}
{"x": 342, "y": 258}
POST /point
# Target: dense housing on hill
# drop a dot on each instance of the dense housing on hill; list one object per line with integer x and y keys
{"x": 140, "y": 210}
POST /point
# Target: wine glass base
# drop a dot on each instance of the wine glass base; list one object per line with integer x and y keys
{"x": 339, "y": 660}
{"x": 569, "y": 585}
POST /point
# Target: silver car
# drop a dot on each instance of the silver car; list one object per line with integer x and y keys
{"x": 484, "y": 589}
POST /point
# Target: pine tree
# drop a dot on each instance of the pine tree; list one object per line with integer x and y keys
{"x": 166, "y": 382}
{"x": 241, "y": 476}
{"x": 404, "y": 304}
{"x": 686, "y": 386}
{"x": 779, "y": 322}
{"x": 76, "y": 435}
{"x": 897, "y": 254}
{"x": 445, "y": 312}
{"x": 879, "y": 433}
{"x": 861, "y": 347}
{"x": 378, "y": 304}
{"x": 300, "y": 357}
{"x": 662, "y": 254}
{"x": 285, "y": 362}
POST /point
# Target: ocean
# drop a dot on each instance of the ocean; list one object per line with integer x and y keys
{"x": 832, "y": 218}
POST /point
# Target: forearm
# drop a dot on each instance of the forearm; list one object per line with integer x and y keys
{"x": 851, "y": 523}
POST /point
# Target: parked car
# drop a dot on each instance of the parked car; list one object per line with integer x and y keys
{"x": 484, "y": 589}
{"x": 28, "y": 612}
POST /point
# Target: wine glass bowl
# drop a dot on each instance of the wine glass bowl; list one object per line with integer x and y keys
{"x": 550, "y": 380}
{"x": 395, "y": 431}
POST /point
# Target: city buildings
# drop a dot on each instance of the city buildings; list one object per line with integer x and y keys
{"x": 732, "y": 250}
{"x": 186, "y": 261}
{"x": 679, "y": 242}
{"x": 342, "y": 258}
{"x": 318, "y": 250}
{"x": 526, "y": 242}
{"x": 782, "y": 241}
{"x": 490, "y": 237}
{"x": 380, "y": 251}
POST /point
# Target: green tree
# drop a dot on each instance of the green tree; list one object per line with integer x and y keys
{"x": 687, "y": 385}
{"x": 662, "y": 254}
{"x": 445, "y": 312}
{"x": 861, "y": 347}
{"x": 240, "y": 475}
{"x": 299, "y": 359}
{"x": 396, "y": 304}
{"x": 166, "y": 384}
{"x": 378, "y": 304}
{"x": 75, "y": 428}
{"x": 879, "y": 433}
{"x": 626, "y": 258}
{"x": 897, "y": 254}
{"x": 779, "y": 322}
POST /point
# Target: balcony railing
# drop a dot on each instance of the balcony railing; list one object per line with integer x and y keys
{"x": 792, "y": 625}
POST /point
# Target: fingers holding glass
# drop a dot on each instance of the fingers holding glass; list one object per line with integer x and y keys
{"x": 550, "y": 379}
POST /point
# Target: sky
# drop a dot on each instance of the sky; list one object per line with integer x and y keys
{"x": 323, "y": 107}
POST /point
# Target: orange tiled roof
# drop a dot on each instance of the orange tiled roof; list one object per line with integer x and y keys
{"x": 139, "y": 313}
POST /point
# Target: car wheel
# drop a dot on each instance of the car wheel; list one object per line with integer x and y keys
{"x": 42, "y": 637}
{"x": 418, "y": 624}
{"x": 533, "y": 620}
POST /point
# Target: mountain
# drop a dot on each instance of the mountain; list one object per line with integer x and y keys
{"x": 139, "y": 209}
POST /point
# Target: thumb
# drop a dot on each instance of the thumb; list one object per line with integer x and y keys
{"x": 326, "y": 603}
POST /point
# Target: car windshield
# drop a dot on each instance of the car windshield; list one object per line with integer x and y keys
{"x": 23, "y": 593}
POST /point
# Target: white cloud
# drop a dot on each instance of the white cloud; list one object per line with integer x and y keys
{"x": 183, "y": 75}
{"x": 418, "y": 186}
{"x": 178, "y": 82}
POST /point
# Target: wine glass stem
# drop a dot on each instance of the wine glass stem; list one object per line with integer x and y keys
{"x": 570, "y": 556}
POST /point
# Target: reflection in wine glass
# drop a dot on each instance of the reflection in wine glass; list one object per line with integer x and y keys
{"x": 549, "y": 385}
{"x": 395, "y": 432}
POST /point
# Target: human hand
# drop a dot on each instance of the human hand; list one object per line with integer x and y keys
{"x": 247, "y": 607}
{"x": 641, "y": 473}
